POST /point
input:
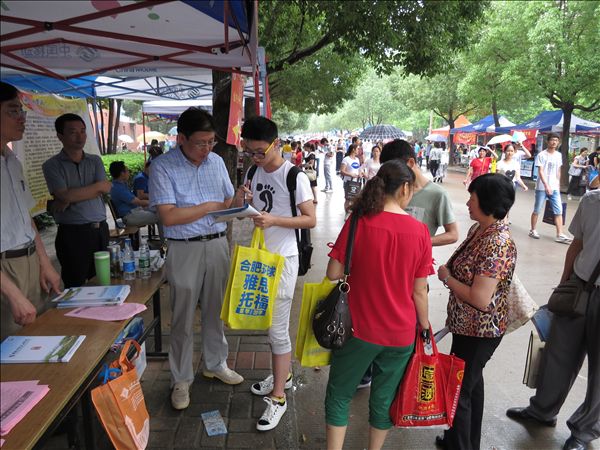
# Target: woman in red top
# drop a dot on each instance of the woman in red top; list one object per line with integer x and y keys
{"x": 479, "y": 166}
{"x": 384, "y": 308}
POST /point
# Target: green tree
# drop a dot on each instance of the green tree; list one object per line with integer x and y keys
{"x": 416, "y": 35}
{"x": 562, "y": 46}
{"x": 288, "y": 121}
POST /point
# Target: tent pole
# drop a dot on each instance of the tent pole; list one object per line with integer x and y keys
{"x": 94, "y": 109}
{"x": 144, "y": 131}
{"x": 256, "y": 94}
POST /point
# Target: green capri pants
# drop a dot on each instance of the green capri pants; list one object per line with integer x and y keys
{"x": 349, "y": 364}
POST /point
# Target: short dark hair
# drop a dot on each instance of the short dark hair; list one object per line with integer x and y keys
{"x": 354, "y": 139}
{"x": 116, "y": 168}
{"x": 259, "y": 128}
{"x": 7, "y": 92}
{"x": 195, "y": 119}
{"x": 397, "y": 149}
{"x": 324, "y": 141}
{"x": 552, "y": 135}
{"x": 59, "y": 123}
{"x": 351, "y": 147}
{"x": 495, "y": 192}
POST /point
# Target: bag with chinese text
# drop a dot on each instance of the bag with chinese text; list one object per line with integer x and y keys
{"x": 120, "y": 404}
{"x": 308, "y": 350}
{"x": 252, "y": 286}
{"x": 429, "y": 391}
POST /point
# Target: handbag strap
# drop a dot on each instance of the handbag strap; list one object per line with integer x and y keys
{"x": 350, "y": 244}
{"x": 590, "y": 283}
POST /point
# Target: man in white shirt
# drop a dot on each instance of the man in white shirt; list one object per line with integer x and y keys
{"x": 270, "y": 195}
{"x": 547, "y": 187}
{"x": 25, "y": 269}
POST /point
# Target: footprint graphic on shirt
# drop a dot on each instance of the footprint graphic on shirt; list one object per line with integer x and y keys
{"x": 266, "y": 195}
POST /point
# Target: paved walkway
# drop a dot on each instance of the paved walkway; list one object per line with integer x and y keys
{"x": 539, "y": 267}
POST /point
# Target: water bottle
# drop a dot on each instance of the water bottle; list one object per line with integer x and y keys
{"x": 144, "y": 260}
{"x": 128, "y": 261}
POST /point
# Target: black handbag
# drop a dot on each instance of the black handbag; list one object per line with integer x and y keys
{"x": 571, "y": 297}
{"x": 332, "y": 323}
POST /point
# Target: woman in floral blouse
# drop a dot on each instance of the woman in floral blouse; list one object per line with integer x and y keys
{"x": 478, "y": 276}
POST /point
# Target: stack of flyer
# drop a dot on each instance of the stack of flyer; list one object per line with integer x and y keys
{"x": 38, "y": 349}
{"x": 17, "y": 398}
{"x": 93, "y": 296}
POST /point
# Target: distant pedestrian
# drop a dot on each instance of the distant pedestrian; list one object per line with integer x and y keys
{"x": 372, "y": 165}
{"x": 479, "y": 166}
{"x": 435, "y": 157}
{"x": 339, "y": 155}
{"x": 578, "y": 165}
{"x": 571, "y": 339}
{"x": 510, "y": 167}
{"x": 328, "y": 165}
{"x": 549, "y": 162}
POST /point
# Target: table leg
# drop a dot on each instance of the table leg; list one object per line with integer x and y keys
{"x": 158, "y": 326}
{"x": 88, "y": 421}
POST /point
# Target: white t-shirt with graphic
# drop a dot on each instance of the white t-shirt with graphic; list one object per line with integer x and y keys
{"x": 511, "y": 169}
{"x": 550, "y": 164}
{"x": 352, "y": 167}
{"x": 270, "y": 194}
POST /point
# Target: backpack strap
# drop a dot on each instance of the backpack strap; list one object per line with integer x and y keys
{"x": 251, "y": 172}
{"x": 291, "y": 185}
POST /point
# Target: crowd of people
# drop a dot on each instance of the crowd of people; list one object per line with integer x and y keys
{"x": 401, "y": 214}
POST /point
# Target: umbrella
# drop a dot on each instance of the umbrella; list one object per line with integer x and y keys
{"x": 151, "y": 135}
{"x": 382, "y": 132}
{"x": 500, "y": 139}
{"x": 125, "y": 138}
{"x": 173, "y": 131}
{"x": 436, "y": 138}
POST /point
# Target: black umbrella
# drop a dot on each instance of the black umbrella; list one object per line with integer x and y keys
{"x": 382, "y": 132}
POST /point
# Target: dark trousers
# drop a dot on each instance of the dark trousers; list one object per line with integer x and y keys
{"x": 75, "y": 247}
{"x": 465, "y": 433}
{"x": 434, "y": 165}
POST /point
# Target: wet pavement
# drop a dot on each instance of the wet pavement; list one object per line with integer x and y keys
{"x": 539, "y": 267}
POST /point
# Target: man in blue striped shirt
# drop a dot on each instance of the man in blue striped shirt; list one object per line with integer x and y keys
{"x": 185, "y": 185}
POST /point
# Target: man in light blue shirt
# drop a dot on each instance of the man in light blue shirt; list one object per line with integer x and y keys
{"x": 185, "y": 185}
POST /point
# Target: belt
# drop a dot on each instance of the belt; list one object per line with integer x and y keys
{"x": 206, "y": 237}
{"x": 93, "y": 225}
{"x": 27, "y": 251}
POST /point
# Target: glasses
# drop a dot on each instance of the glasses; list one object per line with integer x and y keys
{"x": 205, "y": 144}
{"x": 259, "y": 155}
{"x": 16, "y": 113}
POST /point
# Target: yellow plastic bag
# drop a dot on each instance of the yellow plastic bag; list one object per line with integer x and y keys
{"x": 252, "y": 286}
{"x": 308, "y": 350}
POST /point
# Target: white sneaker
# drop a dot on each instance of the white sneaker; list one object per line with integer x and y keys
{"x": 562, "y": 239}
{"x": 265, "y": 387}
{"x": 226, "y": 375}
{"x": 272, "y": 415}
{"x": 534, "y": 234}
{"x": 569, "y": 197}
{"x": 180, "y": 396}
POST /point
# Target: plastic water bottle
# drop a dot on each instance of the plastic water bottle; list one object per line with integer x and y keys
{"x": 144, "y": 260}
{"x": 128, "y": 261}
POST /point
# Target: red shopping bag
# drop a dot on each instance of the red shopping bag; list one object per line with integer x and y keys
{"x": 429, "y": 392}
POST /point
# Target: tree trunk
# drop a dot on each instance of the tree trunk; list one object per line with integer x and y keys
{"x": 495, "y": 113}
{"x": 102, "y": 129}
{"x": 567, "y": 110}
{"x": 249, "y": 107}
{"x": 221, "y": 100}
{"x": 115, "y": 148}
{"x": 451, "y": 123}
{"x": 109, "y": 132}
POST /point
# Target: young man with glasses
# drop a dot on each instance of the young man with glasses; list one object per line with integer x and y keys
{"x": 269, "y": 194}
{"x": 24, "y": 264}
{"x": 185, "y": 185}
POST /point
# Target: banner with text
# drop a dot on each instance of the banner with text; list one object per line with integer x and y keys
{"x": 236, "y": 104}
{"x": 40, "y": 142}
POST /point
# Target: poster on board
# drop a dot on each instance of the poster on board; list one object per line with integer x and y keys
{"x": 40, "y": 142}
